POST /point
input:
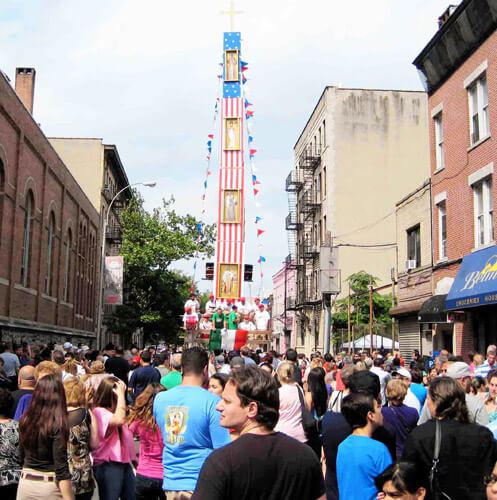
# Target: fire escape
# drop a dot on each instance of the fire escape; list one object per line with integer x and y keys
{"x": 304, "y": 205}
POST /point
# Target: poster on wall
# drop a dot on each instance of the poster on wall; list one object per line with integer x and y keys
{"x": 228, "y": 281}
{"x": 113, "y": 280}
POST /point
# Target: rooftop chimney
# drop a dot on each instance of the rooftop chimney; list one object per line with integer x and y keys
{"x": 445, "y": 16}
{"x": 25, "y": 86}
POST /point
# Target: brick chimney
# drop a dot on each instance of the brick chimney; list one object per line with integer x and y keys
{"x": 25, "y": 86}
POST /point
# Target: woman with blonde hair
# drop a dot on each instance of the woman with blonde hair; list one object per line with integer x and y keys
{"x": 290, "y": 419}
{"x": 150, "y": 472}
{"x": 83, "y": 437}
{"x": 402, "y": 418}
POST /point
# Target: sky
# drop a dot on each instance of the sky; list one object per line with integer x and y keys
{"x": 142, "y": 74}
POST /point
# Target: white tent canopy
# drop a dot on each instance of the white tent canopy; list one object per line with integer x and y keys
{"x": 378, "y": 343}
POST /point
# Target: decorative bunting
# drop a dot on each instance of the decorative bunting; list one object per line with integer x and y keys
{"x": 256, "y": 192}
{"x": 260, "y": 231}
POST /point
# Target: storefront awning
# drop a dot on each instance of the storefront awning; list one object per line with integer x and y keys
{"x": 433, "y": 310}
{"x": 476, "y": 282}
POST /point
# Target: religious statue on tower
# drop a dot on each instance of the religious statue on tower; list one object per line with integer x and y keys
{"x": 231, "y": 65}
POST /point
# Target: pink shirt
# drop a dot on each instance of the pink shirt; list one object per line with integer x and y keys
{"x": 290, "y": 421}
{"x": 151, "y": 446}
{"x": 117, "y": 446}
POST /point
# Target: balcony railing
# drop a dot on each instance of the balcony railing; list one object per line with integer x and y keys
{"x": 291, "y": 223}
{"x": 293, "y": 181}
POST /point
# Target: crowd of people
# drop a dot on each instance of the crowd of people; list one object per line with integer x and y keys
{"x": 198, "y": 424}
{"x": 225, "y": 313}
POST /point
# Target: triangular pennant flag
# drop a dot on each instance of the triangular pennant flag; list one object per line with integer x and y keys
{"x": 211, "y": 136}
{"x": 256, "y": 192}
{"x": 244, "y": 68}
{"x": 260, "y": 231}
{"x": 205, "y": 184}
{"x": 254, "y": 178}
{"x": 247, "y": 104}
{"x": 244, "y": 80}
{"x": 262, "y": 275}
{"x": 195, "y": 265}
{"x": 258, "y": 219}
{"x": 252, "y": 152}
{"x": 262, "y": 259}
{"x": 199, "y": 226}
{"x": 256, "y": 182}
{"x": 249, "y": 113}
{"x": 209, "y": 172}
{"x": 251, "y": 139}
{"x": 209, "y": 143}
{"x": 203, "y": 196}
{"x": 243, "y": 63}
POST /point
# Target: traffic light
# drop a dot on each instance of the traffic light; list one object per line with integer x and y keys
{"x": 209, "y": 271}
{"x": 247, "y": 272}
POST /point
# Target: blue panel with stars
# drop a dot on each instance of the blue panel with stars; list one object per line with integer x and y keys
{"x": 232, "y": 41}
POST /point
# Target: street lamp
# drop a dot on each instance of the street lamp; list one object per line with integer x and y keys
{"x": 150, "y": 184}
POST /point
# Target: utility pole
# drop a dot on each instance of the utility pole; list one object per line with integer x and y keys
{"x": 370, "y": 314}
{"x": 393, "y": 305}
{"x": 393, "y": 334}
{"x": 349, "y": 336}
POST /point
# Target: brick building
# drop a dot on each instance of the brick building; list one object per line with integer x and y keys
{"x": 460, "y": 68}
{"x": 49, "y": 231}
{"x": 97, "y": 167}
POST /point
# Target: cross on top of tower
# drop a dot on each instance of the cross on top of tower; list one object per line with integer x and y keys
{"x": 232, "y": 13}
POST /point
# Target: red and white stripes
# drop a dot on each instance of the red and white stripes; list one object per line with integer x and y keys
{"x": 230, "y": 236}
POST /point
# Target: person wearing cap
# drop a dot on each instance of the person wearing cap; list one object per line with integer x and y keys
{"x": 210, "y": 305}
{"x": 205, "y": 322}
{"x": 410, "y": 399}
{"x": 460, "y": 372}
{"x": 242, "y": 306}
{"x": 261, "y": 318}
{"x": 246, "y": 324}
{"x": 236, "y": 363}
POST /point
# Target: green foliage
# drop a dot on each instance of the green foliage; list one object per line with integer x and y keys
{"x": 155, "y": 294}
{"x": 359, "y": 301}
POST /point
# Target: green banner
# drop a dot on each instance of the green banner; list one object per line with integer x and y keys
{"x": 215, "y": 339}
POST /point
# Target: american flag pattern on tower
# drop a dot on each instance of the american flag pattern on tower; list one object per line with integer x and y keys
{"x": 231, "y": 236}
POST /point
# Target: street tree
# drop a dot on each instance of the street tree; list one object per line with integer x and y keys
{"x": 154, "y": 292}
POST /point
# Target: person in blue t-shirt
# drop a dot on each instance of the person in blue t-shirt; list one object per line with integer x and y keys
{"x": 189, "y": 423}
{"x": 143, "y": 376}
{"x": 360, "y": 458}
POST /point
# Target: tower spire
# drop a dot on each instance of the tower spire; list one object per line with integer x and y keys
{"x": 232, "y": 13}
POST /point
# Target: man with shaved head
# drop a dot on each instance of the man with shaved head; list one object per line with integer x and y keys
{"x": 26, "y": 382}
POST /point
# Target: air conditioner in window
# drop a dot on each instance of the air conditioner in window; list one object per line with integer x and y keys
{"x": 410, "y": 264}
